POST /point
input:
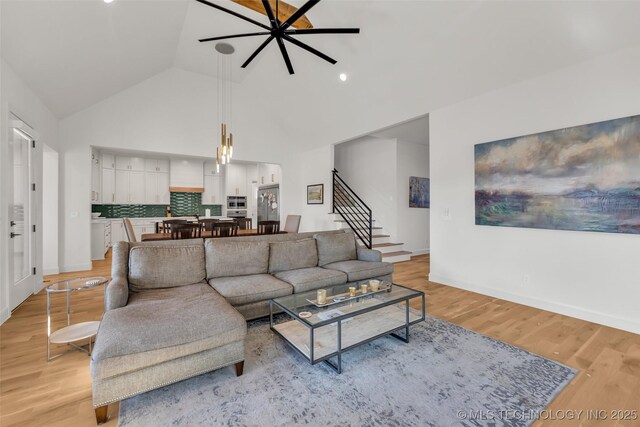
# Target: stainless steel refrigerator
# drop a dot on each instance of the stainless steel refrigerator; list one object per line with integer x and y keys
{"x": 269, "y": 203}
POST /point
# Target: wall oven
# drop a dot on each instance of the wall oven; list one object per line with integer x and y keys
{"x": 236, "y": 202}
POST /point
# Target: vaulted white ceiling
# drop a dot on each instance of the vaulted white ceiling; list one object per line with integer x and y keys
{"x": 74, "y": 53}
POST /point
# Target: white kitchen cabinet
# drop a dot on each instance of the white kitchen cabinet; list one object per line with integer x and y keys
{"x": 108, "y": 161}
{"x": 156, "y": 188}
{"x": 212, "y": 190}
{"x": 210, "y": 168}
{"x": 130, "y": 163}
{"x": 156, "y": 165}
{"x": 136, "y": 187}
{"x": 268, "y": 174}
{"x": 108, "y": 185}
{"x": 235, "y": 180}
{"x": 117, "y": 231}
{"x": 100, "y": 238}
{"x": 96, "y": 172}
{"x": 130, "y": 187}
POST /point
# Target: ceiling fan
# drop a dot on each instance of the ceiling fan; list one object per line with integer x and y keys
{"x": 280, "y": 31}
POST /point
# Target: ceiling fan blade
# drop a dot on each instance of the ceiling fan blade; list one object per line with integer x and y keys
{"x": 258, "y": 50}
{"x": 270, "y": 15}
{"x": 309, "y": 49}
{"x": 323, "y": 31}
{"x": 293, "y": 18}
{"x": 210, "y": 39}
{"x": 236, "y": 14}
{"x": 285, "y": 55}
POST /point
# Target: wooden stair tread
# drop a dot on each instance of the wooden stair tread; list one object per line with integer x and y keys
{"x": 390, "y": 254}
{"x": 384, "y": 245}
{"x": 380, "y": 235}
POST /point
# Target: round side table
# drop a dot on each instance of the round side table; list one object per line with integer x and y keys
{"x": 77, "y": 331}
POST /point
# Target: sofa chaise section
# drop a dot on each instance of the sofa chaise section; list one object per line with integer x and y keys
{"x": 163, "y": 323}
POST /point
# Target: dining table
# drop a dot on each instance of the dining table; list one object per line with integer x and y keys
{"x": 148, "y": 237}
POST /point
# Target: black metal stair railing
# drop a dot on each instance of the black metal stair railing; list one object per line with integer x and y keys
{"x": 353, "y": 210}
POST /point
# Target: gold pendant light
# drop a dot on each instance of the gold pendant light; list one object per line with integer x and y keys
{"x": 224, "y": 153}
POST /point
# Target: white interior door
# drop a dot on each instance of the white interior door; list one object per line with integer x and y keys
{"x": 21, "y": 238}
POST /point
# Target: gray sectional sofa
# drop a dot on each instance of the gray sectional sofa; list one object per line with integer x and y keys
{"x": 177, "y": 309}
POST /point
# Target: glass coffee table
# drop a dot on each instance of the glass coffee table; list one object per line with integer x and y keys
{"x": 322, "y": 332}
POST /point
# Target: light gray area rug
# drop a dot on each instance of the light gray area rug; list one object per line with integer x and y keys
{"x": 443, "y": 370}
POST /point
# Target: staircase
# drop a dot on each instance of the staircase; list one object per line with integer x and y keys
{"x": 351, "y": 212}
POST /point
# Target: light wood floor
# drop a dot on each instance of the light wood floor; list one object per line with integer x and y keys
{"x": 35, "y": 392}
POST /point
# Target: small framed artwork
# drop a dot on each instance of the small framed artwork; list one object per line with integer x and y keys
{"x": 315, "y": 194}
{"x": 419, "y": 196}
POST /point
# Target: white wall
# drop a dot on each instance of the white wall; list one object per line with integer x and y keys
{"x": 593, "y": 276}
{"x": 369, "y": 166}
{"x": 50, "y": 174}
{"x": 173, "y": 112}
{"x": 299, "y": 170}
{"x": 413, "y": 223}
{"x": 16, "y": 97}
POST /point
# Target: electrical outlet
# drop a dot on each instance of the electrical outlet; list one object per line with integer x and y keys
{"x": 446, "y": 214}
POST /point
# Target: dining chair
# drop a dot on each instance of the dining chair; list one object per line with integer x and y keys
{"x": 166, "y": 224}
{"x": 292, "y": 224}
{"x": 245, "y": 223}
{"x": 225, "y": 229}
{"x": 128, "y": 230}
{"x": 208, "y": 223}
{"x": 268, "y": 227}
{"x": 185, "y": 231}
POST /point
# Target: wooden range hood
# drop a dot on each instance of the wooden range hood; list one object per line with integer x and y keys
{"x": 186, "y": 190}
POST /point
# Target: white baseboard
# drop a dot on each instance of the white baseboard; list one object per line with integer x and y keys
{"x": 48, "y": 271}
{"x": 5, "y": 314}
{"x": 567, "y": 310}
{"x": 77, "y": 267}
{"x": 420, "y": 252}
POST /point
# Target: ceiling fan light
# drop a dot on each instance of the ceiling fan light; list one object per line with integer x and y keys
{"x": 108, "y": 1}
{"x": 343, "y": 77}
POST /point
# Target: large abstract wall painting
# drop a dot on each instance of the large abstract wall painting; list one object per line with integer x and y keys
{"x": 584, "y": 178}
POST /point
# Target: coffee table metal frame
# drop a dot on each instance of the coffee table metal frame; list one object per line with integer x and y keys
{"x": 337, "y": 367}
{"x": 90, "y": 328}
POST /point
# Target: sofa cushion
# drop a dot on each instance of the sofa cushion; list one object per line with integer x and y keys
{"x": 226, "y": 258}
{"x": 292, "y": 255}
{"x": 164, "y": 324}
{"x": 360, "y": 270}
{"x": 152, "y": 267}
{"x": 308, "y": 279}
{"x": 240, "y": 290}
{"x": 335, "y": 247}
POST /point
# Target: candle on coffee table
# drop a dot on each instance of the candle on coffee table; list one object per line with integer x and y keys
{"x": 322, "y": 296}
{"x": 363, "y": 288}
{"x": 375, "y": 285}
{"x": 352, "y": 291}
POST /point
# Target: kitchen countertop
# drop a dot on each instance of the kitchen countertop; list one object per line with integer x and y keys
{"x": 101, "y": 220}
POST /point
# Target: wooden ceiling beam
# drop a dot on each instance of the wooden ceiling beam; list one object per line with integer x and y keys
{"x": 285, "y": 10}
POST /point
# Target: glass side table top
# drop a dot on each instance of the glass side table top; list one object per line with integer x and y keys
{"x": 77, "y": 284}
{"x": 297, "y": 303}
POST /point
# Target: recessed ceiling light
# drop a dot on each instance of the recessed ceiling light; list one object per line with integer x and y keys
{"x": 108, "y": 1}
{"x": 343, "y": 77}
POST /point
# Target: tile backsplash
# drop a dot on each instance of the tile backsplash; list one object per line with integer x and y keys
{"x": 182, "y": 204}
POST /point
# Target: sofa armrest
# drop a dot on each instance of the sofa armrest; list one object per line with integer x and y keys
{"x": 370, "y": 255}
{"x": 117, "y": 293}
{"x": 118, "y": 289}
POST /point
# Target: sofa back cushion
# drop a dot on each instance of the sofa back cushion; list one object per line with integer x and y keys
{"x": 335, "y": 247}
{"x": 236, "y": 258}
{"x": 285, "y": 256}
{"x": 152, "y": 267}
